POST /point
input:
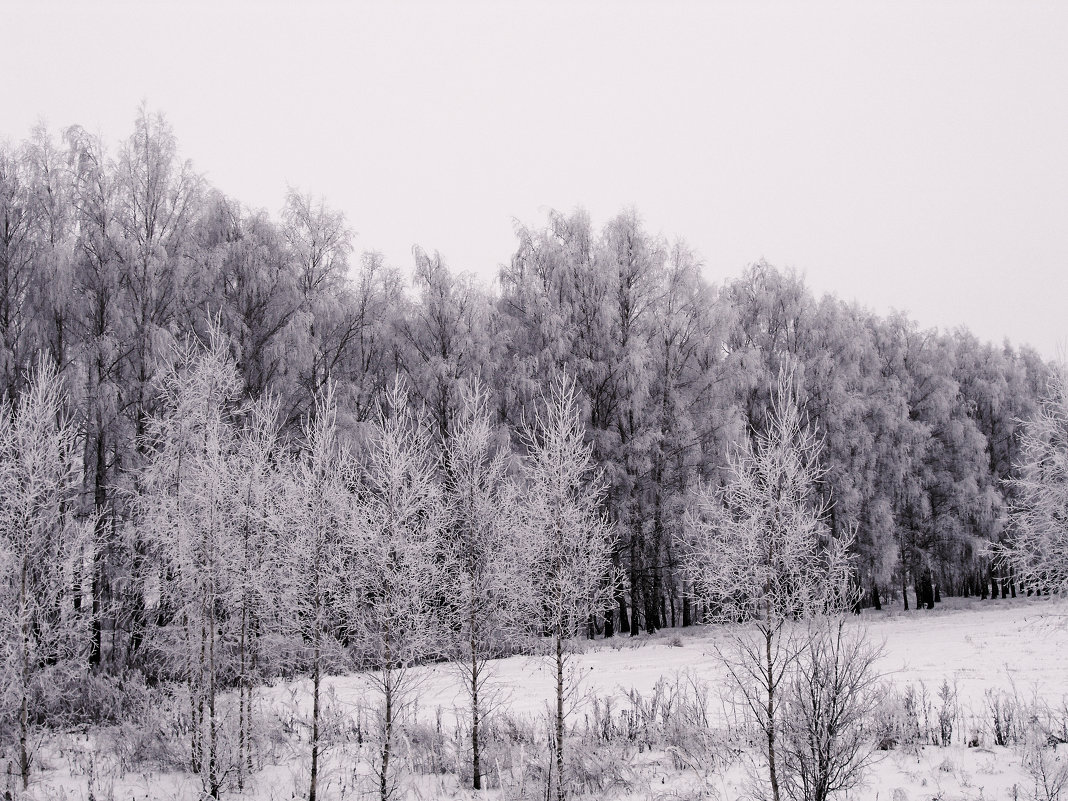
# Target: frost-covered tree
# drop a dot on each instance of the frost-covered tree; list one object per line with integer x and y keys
{"x": 490, "y": 590}
{"x": 187, "y": 516}
{"x": 318, "y": 512}
{"x": 445, "y": 337}
{"x": 398, "y": 565}
{"x": 259, "y": 512}
{"x": 319, "y": 244}
{"x": 99, "y": 326}
{"x": 155, "y": 195}
{"x": 1038, "y": 549}
{"x": 42, "y": 637}
{"x": 573, "y": 539}
{"x": 759, "y": 552}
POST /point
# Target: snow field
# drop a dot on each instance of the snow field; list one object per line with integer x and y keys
{"x": 1013, "y": 649}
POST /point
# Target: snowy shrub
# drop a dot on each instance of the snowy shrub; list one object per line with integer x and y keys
{"x": 600, "y": 769}
{"x": 947, "y": 712}
{"x": 900, "y": 719}
{"x": 1047, "y": 766}
{"x": 426, "y": 748}
{"x": 833, "y": 696}
{"x": 100, "y": 698}
{"x": 158, "y": 737}
{"x": 510, "y": 744}
{"x": 1004, "y": 714}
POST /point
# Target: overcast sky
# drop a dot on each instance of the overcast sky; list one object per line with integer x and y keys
{"x": 905, "y": 156}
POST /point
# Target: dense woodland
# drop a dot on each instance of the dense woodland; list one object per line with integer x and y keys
{"x": 116, "y": 262}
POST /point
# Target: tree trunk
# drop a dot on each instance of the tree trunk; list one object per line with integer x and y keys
{"x": 687, "y": 619}
{"x": 635, "y": 589}
{"x": 242, "y": 690}
{"x": 652, "y": 611}
{"x": 24, "y": 708}
{"x": 313, "y": 780}
{"x": 213, "y": 742}
{"x": 476, "y": 767}
{"x": 99, "y": 502}
{"x": 387, "y": 733}
{"x": 770, "y": 677}
{"x": 561, "y": 790}
{"x": 198, "y": 714}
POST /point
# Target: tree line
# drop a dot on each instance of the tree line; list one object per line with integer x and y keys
{"x": 109, "y": 259}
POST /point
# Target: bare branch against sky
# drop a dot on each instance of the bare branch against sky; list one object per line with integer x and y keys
{"x": 907, "y": 155}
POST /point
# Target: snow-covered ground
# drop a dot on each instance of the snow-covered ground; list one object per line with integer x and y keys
{"x": 1015, "y": 648}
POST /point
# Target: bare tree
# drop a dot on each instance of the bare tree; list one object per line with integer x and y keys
{"x": 1038, "y": 551}
{"x": 42, "y": 637}
{"x": 835, "y": 691}
{"x": 759, "y": 553}
{"x": 573, "y": 538}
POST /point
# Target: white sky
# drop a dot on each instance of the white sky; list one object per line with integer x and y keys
{"x": 910, "y": 156}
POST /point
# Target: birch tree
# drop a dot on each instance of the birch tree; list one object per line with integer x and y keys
{"x": 760, "y": 553}
{"x": 42, "y": 638}
{"x": 574, "y": 541}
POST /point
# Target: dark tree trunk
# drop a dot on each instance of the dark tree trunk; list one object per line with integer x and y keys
{"x": 99, "y": 503}
{"x": 476, "y": 762}
{"x": 621, "y": 597}
{"x": 561, "y": 787}
{"x": 652, "y": 611}
{"x": 313, "y": 779}
{"x": 635, "y": 586}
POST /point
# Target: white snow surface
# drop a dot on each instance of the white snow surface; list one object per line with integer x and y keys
{"x": 1017, "y": 646}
